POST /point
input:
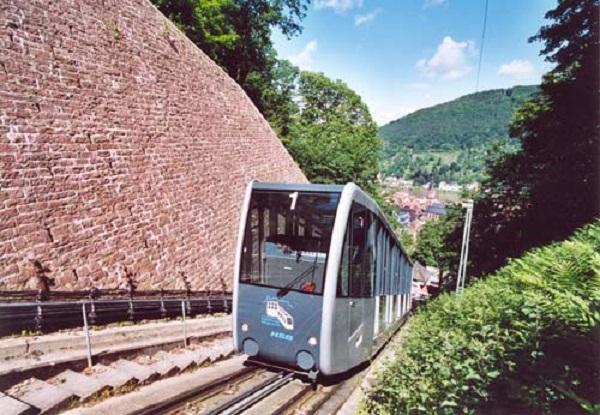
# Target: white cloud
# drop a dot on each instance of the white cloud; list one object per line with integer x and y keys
{"x": 304, "y": 59}
{"x": 433, "y": 3}
{"x": 360, "y": 19}
{"x": 517, "y": 69}
{"x": 450, "y": 61}
{"x": 384, "y": 116}
{"x": 339, "y": 6}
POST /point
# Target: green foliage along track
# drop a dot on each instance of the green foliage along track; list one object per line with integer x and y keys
{"x": 523, "y": 340}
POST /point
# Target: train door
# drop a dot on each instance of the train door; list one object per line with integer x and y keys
{"x": 383, "y": 311}
{"x": 357, "y": 281}
{"x": 358, "y": 340}
{"x": 379, "y": 290}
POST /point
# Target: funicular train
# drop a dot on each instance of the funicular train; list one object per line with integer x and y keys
{"x": 320, "y": 279}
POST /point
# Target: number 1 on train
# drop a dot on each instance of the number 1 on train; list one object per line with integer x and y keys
{"x": 294, "y": 197}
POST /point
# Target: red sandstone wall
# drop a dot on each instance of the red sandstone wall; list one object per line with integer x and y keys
{"x": 122, "y": 145}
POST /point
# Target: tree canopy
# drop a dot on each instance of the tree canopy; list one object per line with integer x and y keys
{"x": 433, "y": 247}
{"x": 551, "y": 187}
{"x": 332, "y": 135}
{"x": 236, "y": 34}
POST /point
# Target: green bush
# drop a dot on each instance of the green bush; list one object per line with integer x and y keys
{"x": 523, "y": 340}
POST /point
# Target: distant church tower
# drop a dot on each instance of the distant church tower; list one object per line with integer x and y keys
{"x": 431, "y": 193}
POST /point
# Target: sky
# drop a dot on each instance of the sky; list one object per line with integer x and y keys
{"x": 404, "y": 55}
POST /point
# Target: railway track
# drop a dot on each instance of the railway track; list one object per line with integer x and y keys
{"x": 256, "y": 391}
{"x": 250, "y": 390}
{"x": 252, "y": 396}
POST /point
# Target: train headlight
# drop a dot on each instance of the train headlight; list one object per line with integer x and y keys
{"x": 250, "y": 347}
{"x": 312, "y": 341}
{"x": 244, "y": 327}
{"x": 305, "y": 360}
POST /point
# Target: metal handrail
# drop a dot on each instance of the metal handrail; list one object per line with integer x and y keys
{"x": 49, "y": 315}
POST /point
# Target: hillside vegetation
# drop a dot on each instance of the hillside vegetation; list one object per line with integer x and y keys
{"x": 466, "y": 122}
{"x": 523, "y": 340}
{"x": 451, "y": 141}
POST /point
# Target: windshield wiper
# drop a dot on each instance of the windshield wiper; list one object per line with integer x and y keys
{"x": 310, "y": 270}
{"x": 287, "y": 287}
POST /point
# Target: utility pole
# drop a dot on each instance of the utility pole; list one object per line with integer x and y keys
{"x": 464, "y": 250}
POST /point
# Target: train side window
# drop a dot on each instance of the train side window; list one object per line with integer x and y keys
{"x": 342, "y": 285}
{"x": 371, "y": 259}
{"x": 380, "y": 260}
{"x": 358, "y": 250}
{"x": 408, "y": 268}
{"x": 399, "y": 273}
{"x": 396, "y": 270}
{"x": 250, "y": 261}
{"x": 406, "y": 277}
{"x": 392, "y": 266}
{"x": 386, "y": 264}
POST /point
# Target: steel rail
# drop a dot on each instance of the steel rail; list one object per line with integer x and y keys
{"x": 244, "y": 401}
{"x": 178, "y": 401}
{"x": 293, "y": 400}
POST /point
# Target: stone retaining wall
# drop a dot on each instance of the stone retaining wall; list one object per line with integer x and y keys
{"x": 124, "y": 150}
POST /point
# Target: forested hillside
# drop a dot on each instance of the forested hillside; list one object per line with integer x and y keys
{"x": 451, "y": 141}
{"x": 466, "y": 122}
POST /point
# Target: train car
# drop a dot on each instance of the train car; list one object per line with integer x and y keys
{"x": 320, "y": 279}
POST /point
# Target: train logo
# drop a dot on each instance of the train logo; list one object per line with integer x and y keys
{"x": 276, "y": 311}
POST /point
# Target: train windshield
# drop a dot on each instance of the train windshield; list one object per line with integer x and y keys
{"x": 286, "y": 240}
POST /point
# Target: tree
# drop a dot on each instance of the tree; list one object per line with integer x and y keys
{"x": 236, "y": 34}
{"x": 545, "y": 191}
{"x": 207, "y": 23}
{"x": 278, "y": 97}
{"x": 407, "y": 239}
{"x": 436, "y": 245}
{"x": 430, "y": 244}
{"x": 332, "y": 136}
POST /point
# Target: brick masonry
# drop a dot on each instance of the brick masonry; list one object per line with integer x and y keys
{"x": 123, "y": 149}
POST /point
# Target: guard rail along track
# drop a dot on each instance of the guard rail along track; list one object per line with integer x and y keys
{"x": 46, "y": 311}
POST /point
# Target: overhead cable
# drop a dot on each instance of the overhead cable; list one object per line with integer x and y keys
{"x": 482, "y": 43}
